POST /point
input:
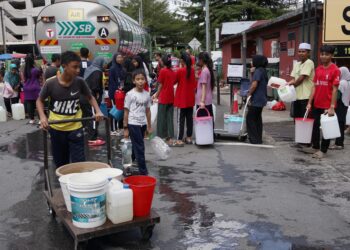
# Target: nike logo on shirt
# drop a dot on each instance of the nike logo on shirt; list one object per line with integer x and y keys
{"x": 74, "y": 93}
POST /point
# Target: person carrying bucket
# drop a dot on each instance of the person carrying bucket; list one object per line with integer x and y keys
{"x": 258, "y": 99}
{"x": 67, "y": 139}
{"x": 205, "y": 85}
{"x": 323, "y": 99}
{"x": 302, "y": 76}
{"x": 342, "y": 106}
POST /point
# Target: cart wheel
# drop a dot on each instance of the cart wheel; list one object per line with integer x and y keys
{"x": 51, "y": 211}
{"x": 81, "y": 245}
{"x": 147, "y": 232}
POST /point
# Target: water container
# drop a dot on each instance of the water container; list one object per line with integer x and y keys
{"x": 204, "y": 129}
{"x": 119, "y": 202}
{"x": 3, "y": 114}
{"x": 126, "y": 153}
{"x": 119, "y": 97}
{"x": 161, "y": 149}
{"x": 287, "y": 93}
{"x": 64, "y": 187}
{"x": 110, "y": 173}
{"x": 330, "y": 126}
{"x": 276, "y": 82}
{"x": 88, "y": 198}
{"x": 143, "y": 189}
{"x": 303, "y": 130}
{"x": 18, "y": 111}
{"x": 154, "y": 113}
{"x": 235, "y": 125}
{"x": 348, "y": 117}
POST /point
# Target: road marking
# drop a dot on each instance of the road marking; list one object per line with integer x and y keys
{"x": 243, "y": 144}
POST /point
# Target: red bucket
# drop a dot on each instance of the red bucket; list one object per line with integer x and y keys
{"x": 143, "y": 189}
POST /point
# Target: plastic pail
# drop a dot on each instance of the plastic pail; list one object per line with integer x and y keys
{"x": 80, "y": 167}
{"x": 303, "y": 130}
{"x": 110, "y": 173}
{"x": 348, "y": 117}
{"x": 143, "y": 189}
{"x": 88, "y": 199}
{"x": 64, "y": 187}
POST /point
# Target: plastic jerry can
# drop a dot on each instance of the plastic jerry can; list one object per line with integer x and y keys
{"x": 3, "y": 115}
{"x": 330, "y": 126}
{"x": 18, "y": 111}
{"x": 119, "y": 202}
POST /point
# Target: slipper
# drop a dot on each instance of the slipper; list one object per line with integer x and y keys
{"x": 188, "y": 141}
{"x": 177, "y": 144}
{"x": 97, "y": 142}
{"x": 336, "y": 147}
{"x": 318, "y": 155}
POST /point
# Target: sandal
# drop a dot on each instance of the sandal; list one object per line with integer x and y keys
{"x": 336, "y": 147}
{"x": 97, "y": 142}
{"x": 188, "y": 141}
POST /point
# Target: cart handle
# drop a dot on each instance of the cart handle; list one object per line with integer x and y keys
{"x": 244, "y": 111}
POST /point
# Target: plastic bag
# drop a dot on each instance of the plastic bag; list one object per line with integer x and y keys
{"x": 154, "y": 112}
{"x": 279, "y": 106}
{"x": 161, "y": 149}
{"x": 269, "y": 105}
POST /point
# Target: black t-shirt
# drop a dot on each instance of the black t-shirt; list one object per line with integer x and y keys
{"x": 64, "y": 101}
{"x": 50, "y": 72}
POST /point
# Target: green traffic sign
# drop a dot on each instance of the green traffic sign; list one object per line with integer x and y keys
{"x": 72, "y": 28}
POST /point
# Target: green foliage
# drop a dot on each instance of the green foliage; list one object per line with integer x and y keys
{"x": 162, "y": 25}
{"x": 230, "y": 11}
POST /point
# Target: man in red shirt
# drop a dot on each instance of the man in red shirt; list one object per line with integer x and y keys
{"x": 323, "y": 98}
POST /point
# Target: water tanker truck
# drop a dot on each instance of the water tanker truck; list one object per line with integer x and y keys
{"x": 94, "y": 24}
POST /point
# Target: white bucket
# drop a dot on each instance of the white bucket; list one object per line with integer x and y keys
{"x": 330, "y": 127}
{"x": 110, "y": 173}
{"x": 348, "y": 117}
{"x": 287, "y": 93}
{"x": 64, "y": 187}
{"x": 88, "y": 198}
{"x": 303, "y": 130}
{"x": 3, "y": 114}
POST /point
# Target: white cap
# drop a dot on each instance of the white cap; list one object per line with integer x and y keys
{"x": 305, "y": 46}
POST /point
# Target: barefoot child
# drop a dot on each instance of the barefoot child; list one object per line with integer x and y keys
{"x": 137, "y": 118}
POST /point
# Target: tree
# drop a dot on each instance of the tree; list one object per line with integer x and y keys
{"x": 162, "y": 25}
{"x": 233, "y": 10}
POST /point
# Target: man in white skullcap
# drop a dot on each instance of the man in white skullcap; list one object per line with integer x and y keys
{"x": 302, "y": 74}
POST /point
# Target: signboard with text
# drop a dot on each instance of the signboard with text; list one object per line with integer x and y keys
{"x": 336, "y": 28}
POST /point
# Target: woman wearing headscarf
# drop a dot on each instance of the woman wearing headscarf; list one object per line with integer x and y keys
{"x": 342, "y": 106}
{"x": 139, "y": 64}
{"x": 12, "y": 84}
{"x": 117, "y": 75}
{"x": 93, "y": 76}
{"x": 31, "y": 86}
{"x": 258, "y": 95}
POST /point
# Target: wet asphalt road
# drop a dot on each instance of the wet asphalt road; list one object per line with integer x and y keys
{"x": 221, "y": 197}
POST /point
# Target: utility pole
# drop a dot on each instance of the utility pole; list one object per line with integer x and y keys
{"x": 207, "y": 26}
{"x": 141, "y": 13}
{"x": 3, "y": 29}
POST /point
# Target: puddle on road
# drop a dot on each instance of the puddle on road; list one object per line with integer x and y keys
{"x": 30, "y": 147}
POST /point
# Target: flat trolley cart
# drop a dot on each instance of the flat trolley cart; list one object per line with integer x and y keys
{"x": 240, "y": 134}
{"x": 58, "y": 208}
